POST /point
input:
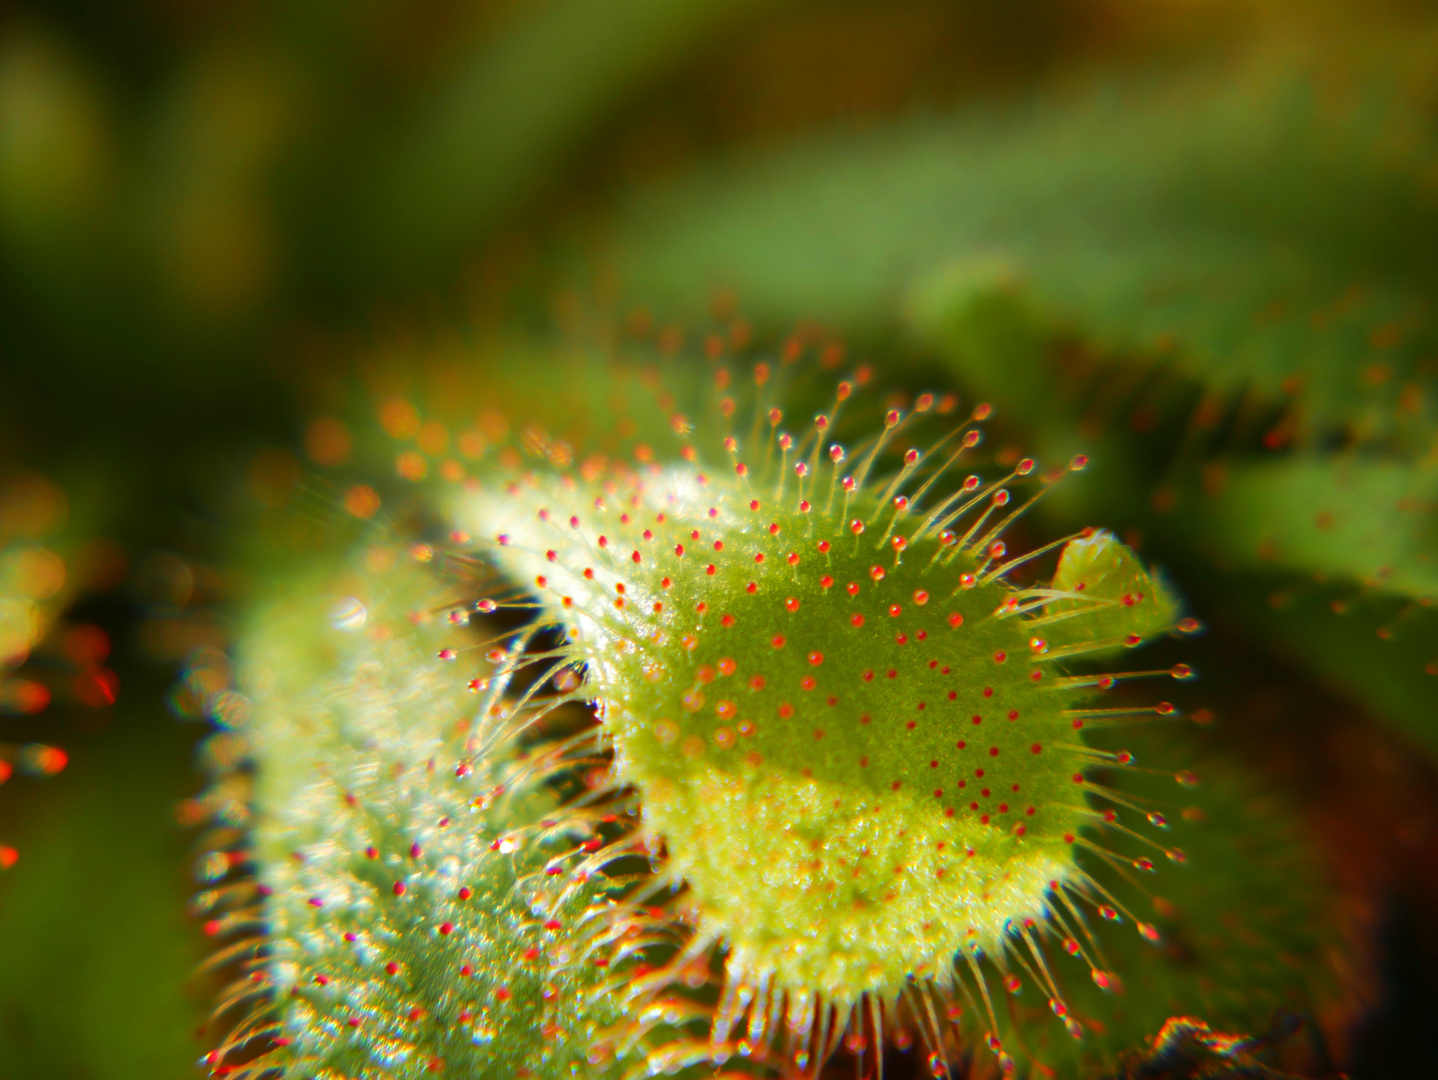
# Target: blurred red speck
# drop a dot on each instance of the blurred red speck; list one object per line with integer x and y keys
{"x": 24, "y": 696}
{"x": 97, "y": 688}
{"x": 8, "y": 855}
{"x": 49, "y": 760}
{"x": 361, "y": 501}
{"x": 399, "y": 418}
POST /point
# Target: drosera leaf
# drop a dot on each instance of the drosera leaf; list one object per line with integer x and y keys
{"x": 842, "y": 720}
{"x": 425, "y": 897}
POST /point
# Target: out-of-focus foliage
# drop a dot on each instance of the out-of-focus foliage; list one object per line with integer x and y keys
{"x": 1265, "y": 229}
{"x": 1370, "y": 521}
{"x": 453, "y": 920}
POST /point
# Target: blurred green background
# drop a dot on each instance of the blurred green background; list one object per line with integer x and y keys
{"x": 1178, "y": 234}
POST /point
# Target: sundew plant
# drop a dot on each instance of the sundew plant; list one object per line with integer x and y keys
{"x": 779, "y": 746}
{"x": 759, "y": 540}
